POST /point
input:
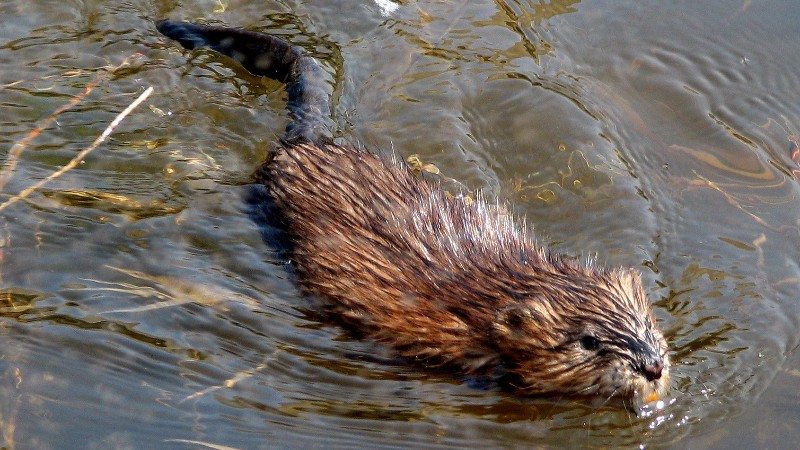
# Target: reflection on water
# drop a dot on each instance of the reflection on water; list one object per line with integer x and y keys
{"x": 146, "y": 302}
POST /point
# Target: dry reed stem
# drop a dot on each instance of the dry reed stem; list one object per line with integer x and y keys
{"x": 22, "y": 144}
{"x": 202, "y": 443}
{"x": 8, "y": 422}
{"x": 229, "y": 383}
{"x": 80, "y": 156}
{"x": 19, "y": 146}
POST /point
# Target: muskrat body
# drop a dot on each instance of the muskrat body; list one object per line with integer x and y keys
{"x": 441, "y": 279}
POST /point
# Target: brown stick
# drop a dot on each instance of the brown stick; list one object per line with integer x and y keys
{"x": 80, "y": 156}
{"x": 22, "y": 144}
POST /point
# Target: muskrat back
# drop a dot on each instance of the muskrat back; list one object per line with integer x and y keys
{"x": 442, "y": 280}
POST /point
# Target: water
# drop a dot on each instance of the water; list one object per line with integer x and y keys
{"x": 140, "y": 306}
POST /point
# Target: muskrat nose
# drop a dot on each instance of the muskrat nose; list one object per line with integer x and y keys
{"x": 652, "y": 370}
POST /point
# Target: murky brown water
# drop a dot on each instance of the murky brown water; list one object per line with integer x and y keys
{"x": 140, "y": 306}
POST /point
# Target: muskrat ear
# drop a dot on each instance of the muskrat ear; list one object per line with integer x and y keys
{"x": 515, "y": 321}
{"x": 527, "y": 323}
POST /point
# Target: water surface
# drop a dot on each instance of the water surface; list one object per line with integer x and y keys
{"x": 143, "y": 305}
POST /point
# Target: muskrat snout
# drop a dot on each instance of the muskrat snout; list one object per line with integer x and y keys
{"x": 652, "y": 371}
{"x": 650, "y": 362}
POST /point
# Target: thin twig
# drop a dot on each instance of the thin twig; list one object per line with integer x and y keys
{"x": 80, "y": 156}
{"x": 202, "y": 443}
{"x": 22, "y": 144}
{"x": 229, "y": 383}
{"x": 19, "y": 146}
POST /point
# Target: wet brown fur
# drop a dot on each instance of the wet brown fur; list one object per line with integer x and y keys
{"x": 449, "y": 281}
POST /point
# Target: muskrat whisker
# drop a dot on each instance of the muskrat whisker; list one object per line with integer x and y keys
{"x": 609, "y": 398}
{"x": 628, "y": 411}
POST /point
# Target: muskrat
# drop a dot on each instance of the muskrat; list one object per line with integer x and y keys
{"x": 443, "y": 280}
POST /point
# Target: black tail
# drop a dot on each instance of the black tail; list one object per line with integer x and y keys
{"x": 262, "y": 54}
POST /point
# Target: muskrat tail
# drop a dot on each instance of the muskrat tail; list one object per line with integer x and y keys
{"x": 262, "y": 54}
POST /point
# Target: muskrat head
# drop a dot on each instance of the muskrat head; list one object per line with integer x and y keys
{"x": 589, "y": 334}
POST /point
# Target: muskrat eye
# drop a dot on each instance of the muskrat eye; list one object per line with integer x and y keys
{"x": 590, "y": 342}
